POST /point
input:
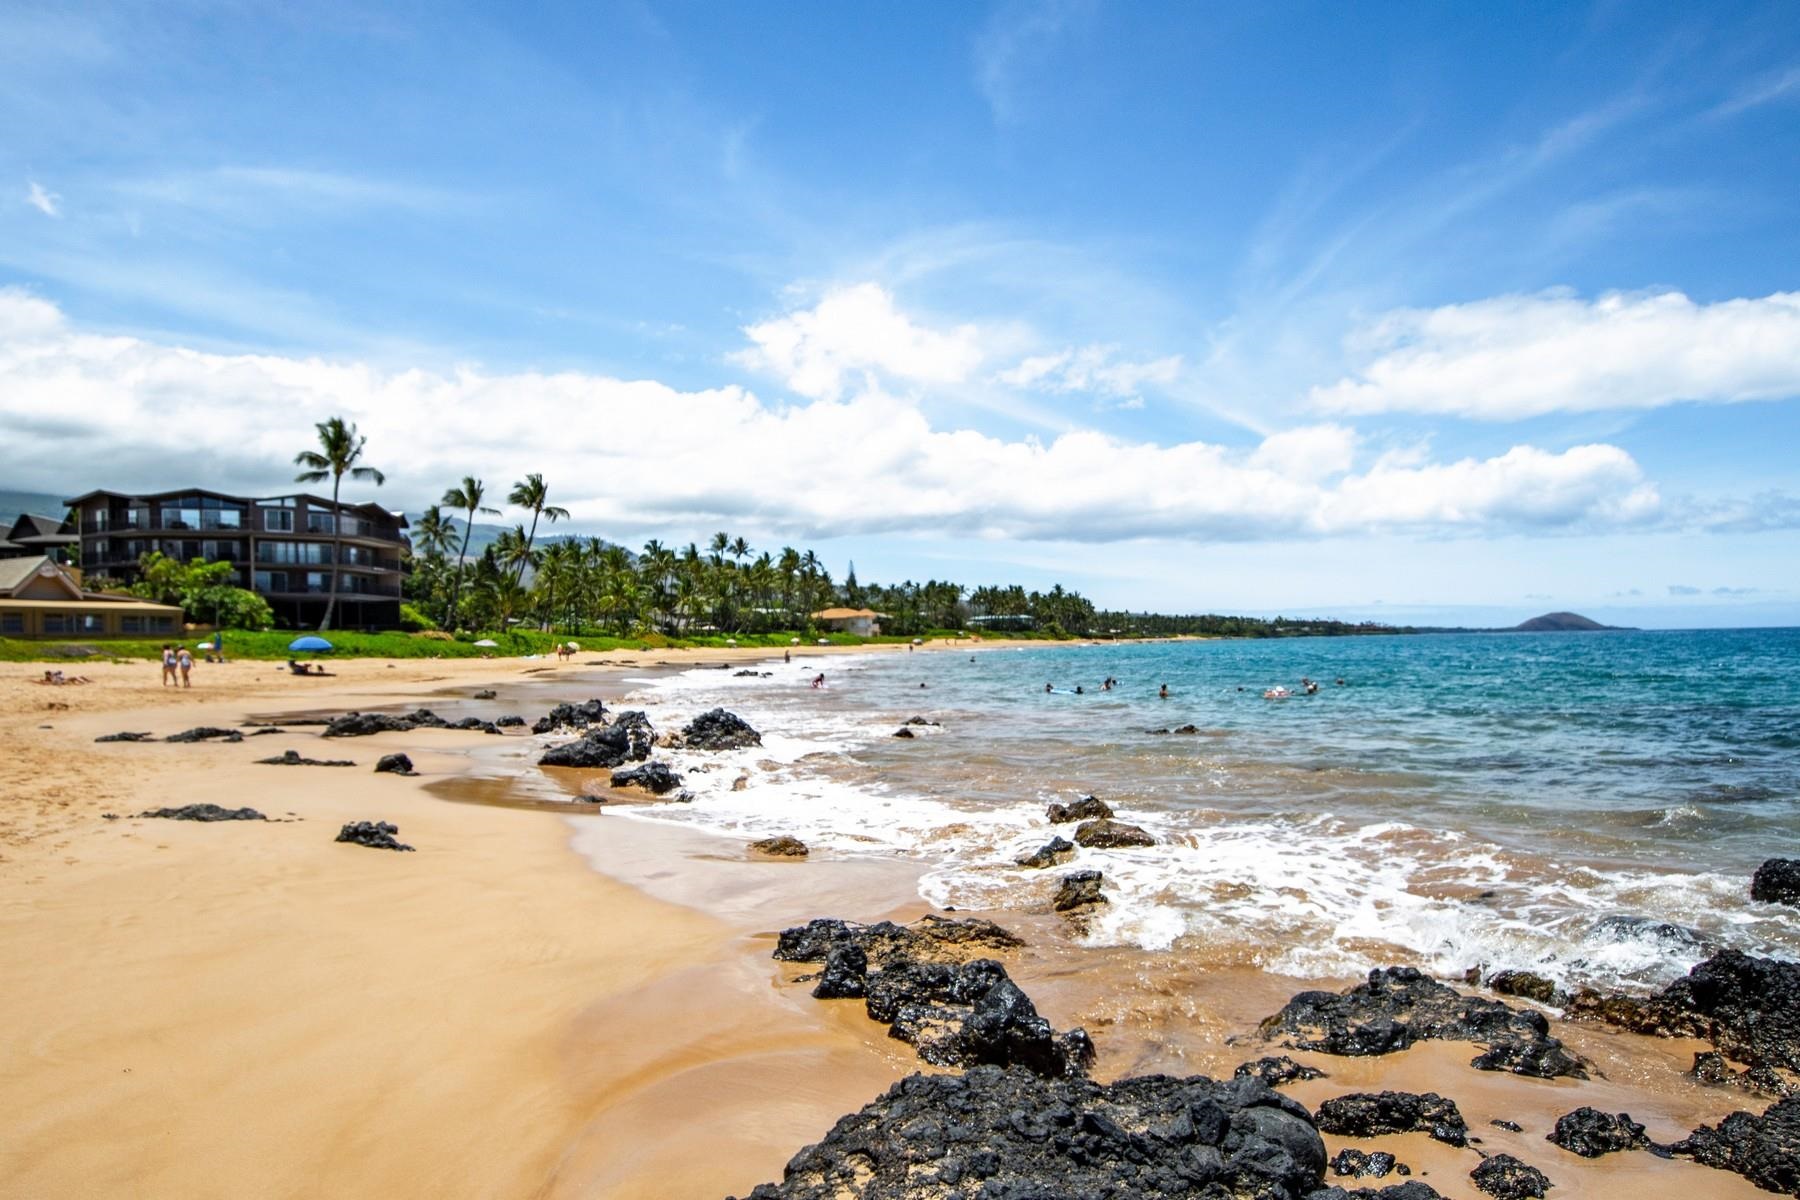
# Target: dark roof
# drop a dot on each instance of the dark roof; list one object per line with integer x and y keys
{"x": 31, "y": 529}
{"x": 320, "y": 501}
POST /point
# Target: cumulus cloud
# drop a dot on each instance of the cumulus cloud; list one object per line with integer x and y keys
{"x": 85, "y": 410}
{"x": 852, "y": 334}
{"x": 1095, "y": 370}
{"x": 1521, "y": 356}
{"x": 44, "y": 200}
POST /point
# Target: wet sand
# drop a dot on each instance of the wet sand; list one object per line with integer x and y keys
{"x": 236, "y": 1009}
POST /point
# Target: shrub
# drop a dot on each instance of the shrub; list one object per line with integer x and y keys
{"x": 413, "y": 620}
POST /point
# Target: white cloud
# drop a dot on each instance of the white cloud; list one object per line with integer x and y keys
{"x": 44, "y": 200}
{"x": 852, "y": 331}
{"x": 1095, "y": 370}
{"x": 1766, "y": 90}
{"x": 1521, "y": 356}
{"x": 634, "y": 457}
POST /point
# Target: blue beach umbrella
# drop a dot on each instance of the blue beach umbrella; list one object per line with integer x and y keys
{"x": 309, "y": 642}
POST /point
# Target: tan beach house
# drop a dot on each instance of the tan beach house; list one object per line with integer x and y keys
{"x": 41, "y": 598}
{"x": 863, "y": 622}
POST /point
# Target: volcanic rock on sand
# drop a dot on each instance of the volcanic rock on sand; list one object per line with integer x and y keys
{"x": 1011, "y": 1135}
{"x": 1399, "y": 1006}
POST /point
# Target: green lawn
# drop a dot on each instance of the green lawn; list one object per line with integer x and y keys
{"x": 273, "y": 644}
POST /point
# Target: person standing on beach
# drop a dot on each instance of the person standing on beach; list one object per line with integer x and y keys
{"x": 168, "y": 664}
{"x": 184, "y": 662}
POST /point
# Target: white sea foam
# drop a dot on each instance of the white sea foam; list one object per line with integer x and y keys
{"x": 1319, "y": 896}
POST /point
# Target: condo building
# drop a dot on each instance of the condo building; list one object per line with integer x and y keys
{"x": 280, "y": 547}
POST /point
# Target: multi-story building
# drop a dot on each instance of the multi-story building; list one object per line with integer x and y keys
{"x": 280, "y": 547}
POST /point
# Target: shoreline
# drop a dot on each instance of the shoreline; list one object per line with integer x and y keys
{"x": 531, "y": 1006}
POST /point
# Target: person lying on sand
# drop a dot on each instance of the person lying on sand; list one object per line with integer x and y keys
{"x": 58, "y": 679}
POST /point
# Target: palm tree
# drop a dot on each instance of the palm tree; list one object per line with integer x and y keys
{"x": 532, "y": 492}
{"x": 468, "y": 498}
{"x": 433, "y": 534}
{"x": 342, "y": 448}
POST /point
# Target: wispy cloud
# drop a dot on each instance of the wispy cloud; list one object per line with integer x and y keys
{"x": 261, "y": 193}
{"x": 44, "y": 200}
{"x": 1780, "y": 85}
{"x": 1521, "y": 356}
{"x": 1093, "y": 370}
{"x": 1683, "y": 589}
{"x": 1018, "y": 40}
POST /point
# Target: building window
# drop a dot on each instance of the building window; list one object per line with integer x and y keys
{"x": 162, "y": 624}
{"x": 92, "y": 623}
{"x": 130, "y": 624}
{"x": 12, "y": 622}
{"x": 56, "y": 623}
{"x": 278, "y": 520}
{"x": 271, "y": 581}
{"x": 318, "y": 522}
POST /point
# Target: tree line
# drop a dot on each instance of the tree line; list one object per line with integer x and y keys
{"x": 574, "y": 584}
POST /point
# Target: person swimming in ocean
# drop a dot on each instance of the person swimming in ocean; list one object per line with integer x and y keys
{"x": 1048, "y": 689}
{"x": 1078, "y": 690}
{"x": 1163, "y": 694}
{"x": 819, "y": 680}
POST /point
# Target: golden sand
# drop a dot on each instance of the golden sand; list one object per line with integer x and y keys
{"x": 247, "y": 1009}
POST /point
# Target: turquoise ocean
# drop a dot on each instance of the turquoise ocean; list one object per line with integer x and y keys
{"x": 1586, "y": 806}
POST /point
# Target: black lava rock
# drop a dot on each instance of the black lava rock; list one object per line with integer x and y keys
{"x": 1088, "y": 808}
{"x": 1765, "y": 1150}
{"x": 719, "y": 730}
{"x": 1747, "y": 1007}
{"x": 293, "y": 758}
{"x": 654, "y": 777}
{"x": 475, "y": 723}
{"x": 931, "y": 939}
{"x": 205, "y": 733}
{"x": 1509, "y": 1126}
{"x": 1053, "y": 853}
{"x": 1399, "y": 1006}
{"x": 369, "y": 724}
{"x": 486, "y": 694}
{"x": 1079, "y": 889}
{"x": 126, "y": 737}
{"x": 509, "y": 722}
{"x": 1711, "y": 1069}
{"x": 970, "y": 1014}
{"x": 922, "y": 721}
{"x": 1412, "y": 1189}
{"x": 1591, "y": 1133}
{"x": 1276, "y": 1070}
{"x": 1011, "y": 1135}
{"x": 845, "y": 976}
{"x": 1371, "y": 1114}
{"x": 571, "y": 716}
{"x": 955, "y": 1014}
{"x": 1358, "y": 1165}
{"x": 1506, "y": 1178}
{"x": 1777, "y": 881}
{"x": 627, "y": 739}
{"x": 376, "y": 835}
{"x": 904, "y": 732}
{"x": 204, "y": 812}
{"x": 395, "y": 764}
{"x": 1105, "y": 834}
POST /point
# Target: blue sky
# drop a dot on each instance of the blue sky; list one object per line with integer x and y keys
{"x": 1432, "y": 311}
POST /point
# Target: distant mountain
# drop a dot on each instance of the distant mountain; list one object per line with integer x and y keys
{"x": 1561, "y": 622}
{"x": 41, "y": 503}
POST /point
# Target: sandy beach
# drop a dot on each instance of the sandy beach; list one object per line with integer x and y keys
{"x": 242, "y": 1008}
